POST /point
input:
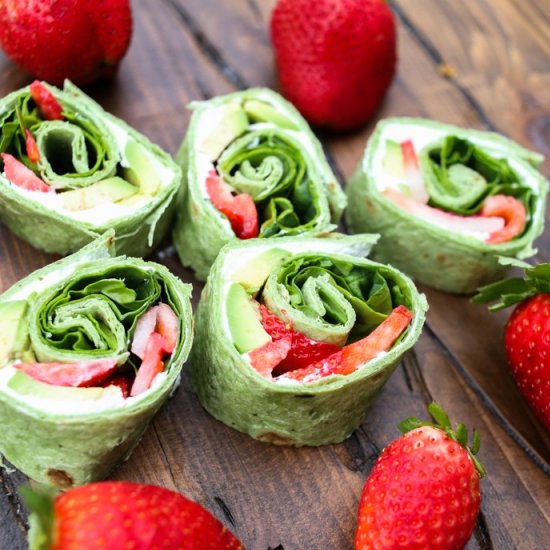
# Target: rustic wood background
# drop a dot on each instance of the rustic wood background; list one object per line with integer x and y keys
{"x": 477, "y": 63}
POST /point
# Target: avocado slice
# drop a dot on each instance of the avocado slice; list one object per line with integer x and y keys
{"x": 244, "y": 320}
{"x": 105, "y": 191}
{"x": 232, "y": 123}
{"x": 253, "y": 275}
{"x": 141, "y": 171}
{"x": 393, "y": 159}
{"x": 25, "y": 385}
{"x": 14, "y": 334}
{"x": 260, "y": 111}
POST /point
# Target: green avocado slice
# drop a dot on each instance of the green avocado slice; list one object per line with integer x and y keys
{"x": 244, "y": 320}
{"x": 14, "y": 334}
{"x": 253, "y": 275}
{"x": 103, "y": 192}
{"x": 260, "y": 111}
{"x": 232, "y": 123}
{"x": 141, "y": 171}
{"x": 25, "y": 385}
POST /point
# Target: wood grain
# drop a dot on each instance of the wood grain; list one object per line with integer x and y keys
{"x": 273, "y": 497}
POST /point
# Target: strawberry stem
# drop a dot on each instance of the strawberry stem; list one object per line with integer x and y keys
{"x": 514, "y": 290}
{"x": 459, "y": 434}
{"x": 40, "y": 503}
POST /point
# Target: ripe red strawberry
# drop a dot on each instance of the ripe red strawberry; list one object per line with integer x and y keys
{"x": 116, "y": 515}
{"x": 423, "y": 491}
{"x": 527, "y": 333}
{"x": 81, "y": 40}
{"x": 336, "y": 58}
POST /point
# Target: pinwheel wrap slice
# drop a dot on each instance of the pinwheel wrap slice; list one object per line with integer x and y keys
{"x": 258, "y": 144}
{"x": 283, "y": 410}
{"x": 103, "y": 174}
{"x": 84, "y": 308}
{"x": 460, "y": 170}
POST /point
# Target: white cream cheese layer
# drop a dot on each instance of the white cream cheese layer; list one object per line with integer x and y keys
{"x": 103, "y": 213}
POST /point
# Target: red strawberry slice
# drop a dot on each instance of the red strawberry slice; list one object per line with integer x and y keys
{"x": 303, "y": 350}
{"x": 513, "y": 213}
{"x": 119, "y": 515}
{"x": 151, "y": 364}
{"x": 83, "y": 374}
{"x": 21, "y": 176}
{"x": 48, "y": 106}
{"x": 240, "y": 209}
{"x": 414, "y": 175}
{"x": 160, "y": 319}
{"x": 265, "y": 358}
{"x": 32, "y": 148}
{"x": 446, "y": 220}
{"x": 353, "y": 355}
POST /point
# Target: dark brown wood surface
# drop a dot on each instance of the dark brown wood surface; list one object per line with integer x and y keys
{"x": 477, "y": 63}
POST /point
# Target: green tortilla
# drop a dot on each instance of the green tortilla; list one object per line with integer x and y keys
{"x": 94, "y": 162}
{"x": 287, "y": 271}
{"x": 67, "y": 446}
{"x": 260, "y": 145}
{"x": 432, "y": 255}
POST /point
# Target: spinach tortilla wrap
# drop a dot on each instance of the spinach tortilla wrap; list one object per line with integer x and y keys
{"x": 296, "y": 336}
{"x": 69, "y": 171}
{"x": 91, "y": 346}
{"x": 251, "y": 168}
{"x": 447, "y": 201}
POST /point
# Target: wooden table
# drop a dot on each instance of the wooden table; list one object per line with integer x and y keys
{"x": 477, "y": 63}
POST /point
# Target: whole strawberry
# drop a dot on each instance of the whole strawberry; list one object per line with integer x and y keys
{"x": 527, "y": 333}
{"x": 336, "y": 58}
{"x": 81, "y": 40}
{"x": 423, "y": 491}
{"x": 117, "y": 515}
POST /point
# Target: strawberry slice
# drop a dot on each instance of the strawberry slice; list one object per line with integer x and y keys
{"x": 48, "y": 106}
{"x": 303, "y": 350}
{"x": 351, "y": 356}
{"x": 446, "y": 220}
{"x": 265, "y": 358}
{"x": 83, "y": 374}
{"x": 513, "y": 213}
{"x": 414, "y": 175}
{"x": 160, "y": 319}
{"x": 151, "y": 364}
{"x": 240, "y": 209}
{"x": 32, "y": 148}
{"x": 21, "y": 176}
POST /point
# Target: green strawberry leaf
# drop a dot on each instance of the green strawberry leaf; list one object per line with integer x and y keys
{"x": 410, "y": 424}
{"x": 459, "y": 434}
{"x": 476, "y": 443}
{"x": 439, "y": 415}
{"x": 512, "y": 291}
